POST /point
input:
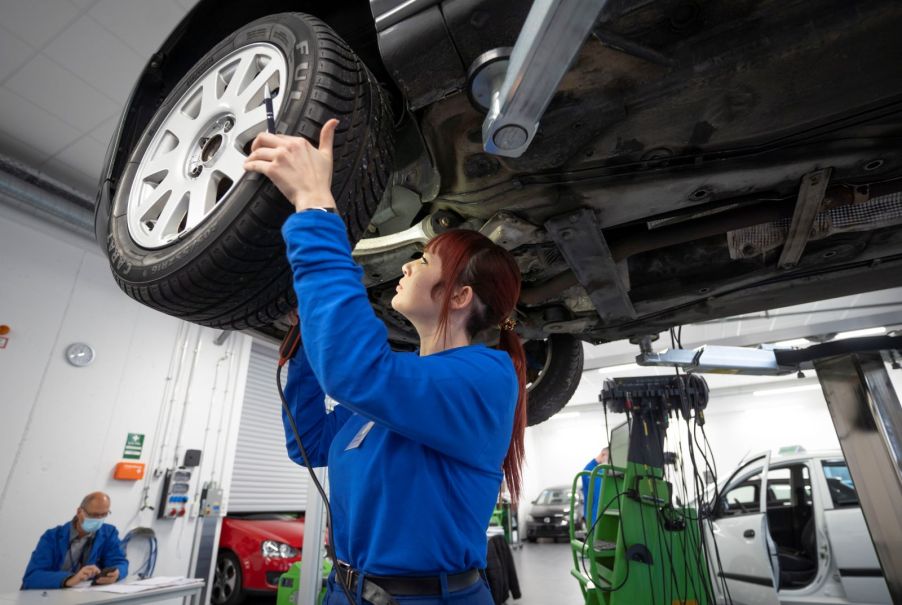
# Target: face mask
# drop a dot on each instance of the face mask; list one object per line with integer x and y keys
{"x": 89, "y": 525}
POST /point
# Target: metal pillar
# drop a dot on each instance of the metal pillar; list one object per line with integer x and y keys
{"x": 868, "y": 421}
{"x": 312, "y": 559}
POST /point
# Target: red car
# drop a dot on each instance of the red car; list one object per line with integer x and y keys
{"x": 254, "y": 550}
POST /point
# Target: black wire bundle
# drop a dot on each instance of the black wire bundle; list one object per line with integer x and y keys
{"x": 696, "y": 552}
{"x": 330, "y": 547}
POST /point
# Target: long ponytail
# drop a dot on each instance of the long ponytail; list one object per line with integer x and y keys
{"x": 471, "y": 259}
{"x": 513, "y": 461}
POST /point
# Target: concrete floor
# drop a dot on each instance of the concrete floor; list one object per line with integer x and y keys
{"x": 542, "y": 568}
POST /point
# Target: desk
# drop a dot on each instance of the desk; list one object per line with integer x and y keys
{"x": 63, "y": 596}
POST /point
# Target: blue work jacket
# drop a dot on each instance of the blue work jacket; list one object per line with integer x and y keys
{"x": 43, "y": 569}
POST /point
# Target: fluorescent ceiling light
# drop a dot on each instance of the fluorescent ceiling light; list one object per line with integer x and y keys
{"x": 621, "y": 368}
{"x": 804, "y": 342}
{"x": 562, "y": 415}
{"x": 859, "y": 333}
{"x": 788, "y": 344}
{"x": 796, "y": 389}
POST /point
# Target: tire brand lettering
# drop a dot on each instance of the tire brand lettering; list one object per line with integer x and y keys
{"x": 122, "y": 265}
{"x": 301, "y": 68}
{"x": 303, "y": 47}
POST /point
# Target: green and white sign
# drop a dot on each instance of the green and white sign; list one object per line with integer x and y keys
{"x": 134, "y": 443}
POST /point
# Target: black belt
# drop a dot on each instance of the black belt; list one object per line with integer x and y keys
{"x": 403, "y": 586}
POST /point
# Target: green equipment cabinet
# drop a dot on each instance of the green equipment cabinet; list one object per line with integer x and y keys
{"x": 641, "y": 549}
{"x": 290, "y": 582}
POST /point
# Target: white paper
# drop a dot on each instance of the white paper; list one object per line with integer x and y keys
{"x": 147, "y": 584}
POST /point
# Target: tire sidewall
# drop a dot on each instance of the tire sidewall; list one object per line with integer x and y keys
{"x": 296, "y": 39}
{"x": 238, "y": 595}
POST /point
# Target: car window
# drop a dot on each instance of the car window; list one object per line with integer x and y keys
{"x": 553, "y": 496}
{"x": 839, "y": 482}
{"x": 780, "y": 484}
{"x": 742, "y": 498}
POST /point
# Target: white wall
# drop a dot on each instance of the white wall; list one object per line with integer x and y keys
{"x": 64, "y": 428}
{"x": 737, "y": 424}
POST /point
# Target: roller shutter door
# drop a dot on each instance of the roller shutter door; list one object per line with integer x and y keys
{"x": 264, "y": 479}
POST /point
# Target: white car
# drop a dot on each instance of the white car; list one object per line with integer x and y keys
{"x": 790, "y": 529}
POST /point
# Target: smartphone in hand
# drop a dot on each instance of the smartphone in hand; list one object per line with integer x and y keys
{"x": 106, "y": 571}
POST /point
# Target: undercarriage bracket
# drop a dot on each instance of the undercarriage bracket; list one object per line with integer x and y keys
{"x": 579, "y": 238}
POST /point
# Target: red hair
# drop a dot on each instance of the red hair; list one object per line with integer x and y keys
{"x": 471, "y": 259}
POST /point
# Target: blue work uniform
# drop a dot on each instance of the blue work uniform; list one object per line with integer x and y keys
{"x": 44, "y": 567}
{"x": 415, "y": 445}
{"x": 596, "y": 493}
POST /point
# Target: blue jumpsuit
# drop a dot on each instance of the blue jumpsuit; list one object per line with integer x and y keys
{"x": 416, "y": 444}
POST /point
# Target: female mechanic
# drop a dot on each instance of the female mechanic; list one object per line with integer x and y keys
{"x": 419, "y": 442}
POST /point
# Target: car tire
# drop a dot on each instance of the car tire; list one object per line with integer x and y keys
{"x": 229, "y": 270}
{"x": 554, "y": 368}
{"x": 228, "y": 582}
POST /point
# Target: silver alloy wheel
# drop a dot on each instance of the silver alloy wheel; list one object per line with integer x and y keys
{"x": 197, "y": 155}
{"x": 225, "y": 580}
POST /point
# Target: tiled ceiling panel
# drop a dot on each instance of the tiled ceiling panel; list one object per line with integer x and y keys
{"x": 66, "y": 70}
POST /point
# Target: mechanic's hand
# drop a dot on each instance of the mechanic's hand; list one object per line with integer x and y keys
{"x": 110, "y": 578}
{"x": 85, "y": 573}
{"x": 302, "y": 172}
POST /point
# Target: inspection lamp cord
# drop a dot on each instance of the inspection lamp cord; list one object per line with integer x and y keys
{"x": 150, "y": 563}
{"x": 330, "y": 547}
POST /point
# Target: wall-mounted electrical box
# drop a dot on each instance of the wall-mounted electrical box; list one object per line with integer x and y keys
{"x": 174, "y": 497}
{"x": 211, "y": 501}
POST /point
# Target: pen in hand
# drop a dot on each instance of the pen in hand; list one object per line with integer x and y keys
{"x": 270, "y": 118}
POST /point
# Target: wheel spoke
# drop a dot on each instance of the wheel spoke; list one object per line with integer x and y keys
{"x": 167, "y": 225}
{"x": 182, "y": 125}
{"x": 236, "y": 76}
{"x": 250, "y": 124}
{"x": 210, "y": 95}
{"x": 159, "y": 167}
{"x": 201, "y": 197}
{"x": 252, "y": 94}
{"x": 231, "y": 163}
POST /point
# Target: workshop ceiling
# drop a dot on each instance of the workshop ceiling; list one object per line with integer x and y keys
{"x": 66, "y": 70}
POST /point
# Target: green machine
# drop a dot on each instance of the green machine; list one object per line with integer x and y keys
{"x": 290, "y": 582}
{"x": 640, "y": 547}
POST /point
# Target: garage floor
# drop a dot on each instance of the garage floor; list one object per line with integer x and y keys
{"x": 544, "y": 573}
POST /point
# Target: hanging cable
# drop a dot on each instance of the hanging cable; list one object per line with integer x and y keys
{"x": 147, "y": 567}
{"x": 330, "y": 547}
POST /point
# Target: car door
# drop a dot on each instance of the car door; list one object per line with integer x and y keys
{"x": 850, "y": 542}
{"x": 739, "y": 528}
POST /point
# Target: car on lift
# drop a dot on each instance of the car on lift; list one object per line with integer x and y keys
{"x": 789, "y": 529}
{"x": 254, "y": 551}
{"x": 698, "y": 158}
{"x": 549, "y": 514}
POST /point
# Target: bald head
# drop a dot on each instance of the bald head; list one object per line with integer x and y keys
{"x": 95, "y": 500}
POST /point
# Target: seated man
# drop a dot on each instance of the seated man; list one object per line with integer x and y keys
{"x": 78, "y": 550}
